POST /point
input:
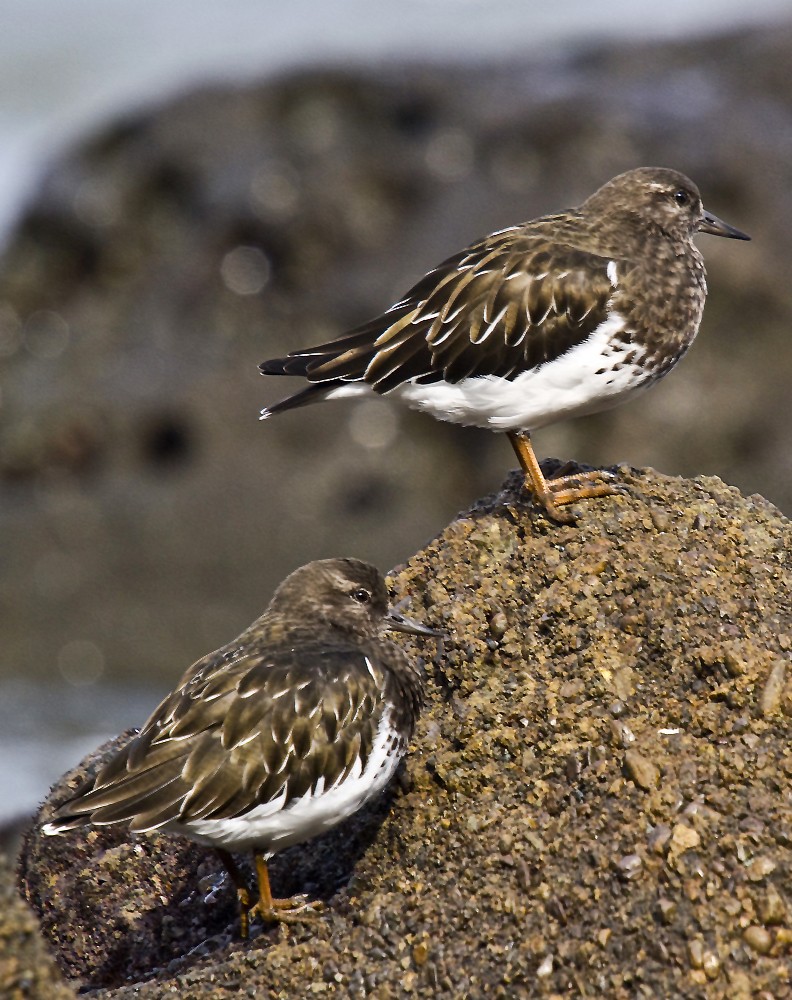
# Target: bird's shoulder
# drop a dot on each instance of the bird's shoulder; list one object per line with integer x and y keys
{"x": 546, "y": 250}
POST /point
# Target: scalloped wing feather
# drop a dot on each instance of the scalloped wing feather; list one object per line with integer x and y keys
{"x": 504, "y": 304}
{"x": 198, "y": 759}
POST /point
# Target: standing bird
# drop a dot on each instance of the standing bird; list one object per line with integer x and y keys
{"x": 559, "y": 317}
{"x": 275, "y": 737}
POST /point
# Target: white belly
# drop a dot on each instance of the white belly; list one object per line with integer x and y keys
{"x": 590, "y": 377}
{"x": 271, "y": 827}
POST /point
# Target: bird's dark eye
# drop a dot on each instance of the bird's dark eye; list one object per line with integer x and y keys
{"x": 361, "y": 595}
{"x": 681, "y": 197}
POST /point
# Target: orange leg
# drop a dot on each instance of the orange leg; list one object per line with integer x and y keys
{"x": 277, "y": 909}
{"x": 561, "y": 490}
{"x": 270, "y": 909}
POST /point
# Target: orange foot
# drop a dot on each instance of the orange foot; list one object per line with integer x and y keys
{"x": 561, "y": 489}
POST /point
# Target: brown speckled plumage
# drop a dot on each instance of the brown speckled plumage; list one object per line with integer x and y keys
{"x": 561, "y": 316}
{"x": 291, "y": 709}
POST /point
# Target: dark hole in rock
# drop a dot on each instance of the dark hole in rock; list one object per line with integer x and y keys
{"x": 167, "y": 441}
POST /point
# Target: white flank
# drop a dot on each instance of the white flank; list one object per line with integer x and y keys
{"x": 349, "y": 390}
{"x": 272, "y": 827}
{"x": 590, "y": 377}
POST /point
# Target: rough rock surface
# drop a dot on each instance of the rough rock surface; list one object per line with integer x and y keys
{"x": 598, "y": 801}
{"x": 27, "y": 969}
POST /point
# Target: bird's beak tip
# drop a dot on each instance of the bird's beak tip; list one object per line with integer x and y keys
{"x": 401, "y": 623}
{"x": 717, "y": 227}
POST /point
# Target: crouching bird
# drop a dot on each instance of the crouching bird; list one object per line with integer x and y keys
{"x": 275, "y": 737}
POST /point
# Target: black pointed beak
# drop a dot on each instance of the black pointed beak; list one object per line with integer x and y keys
{"x": 710, "y": 223}
{"x": 401, "y": 623}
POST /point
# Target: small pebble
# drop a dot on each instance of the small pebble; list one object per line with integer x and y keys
{"x": 420, "y": 953}
{"x": 658, "y": 837}
{"x": 758, "y": 939}
{"x": 668, "y": 909}
{"x": 621, "y": 734}
{"x": 683, "y": 838}
{"x": 505, "y": 843}
{"x": 711, "y": 965}
{"x": 643, "y": 772}
{"x": 783, "y": 939}
{"x": 696, "y": 953}
{"x": 660, "y": 520}
{"x": 760, "y": 869}
{"x": 624, "y": 683}
{"x": 774, "y": 687}
{"x": 629, "y": 866}
{"x": 772, "y": 908}
{"x": 735, "y": 665}
{"x": 498, "y": 625}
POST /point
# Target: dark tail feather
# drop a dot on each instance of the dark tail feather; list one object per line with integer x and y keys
{"x": 311, "y": 394}
{"x": 291, "y": 365}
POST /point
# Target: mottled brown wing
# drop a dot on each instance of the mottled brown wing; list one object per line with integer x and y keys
{"x": 262, "y": 727}
{"x": 504, "y": 304}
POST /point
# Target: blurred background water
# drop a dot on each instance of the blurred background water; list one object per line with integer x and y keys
{"x": 61, "y": 74}
{"x": 77, "y": 667}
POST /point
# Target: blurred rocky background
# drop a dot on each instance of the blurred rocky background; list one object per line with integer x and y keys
{"x": 146, "y": 513}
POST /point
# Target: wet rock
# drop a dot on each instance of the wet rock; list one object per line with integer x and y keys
{"x": 505, "y": 873}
